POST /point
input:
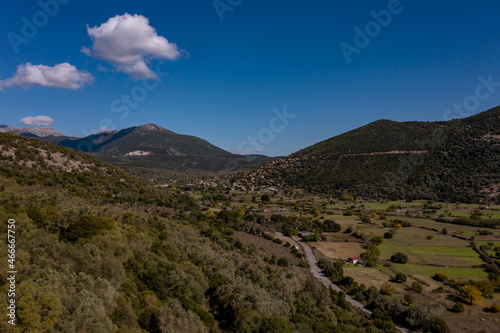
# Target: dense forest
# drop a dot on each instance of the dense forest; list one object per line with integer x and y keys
{"x": 100, "y": 251}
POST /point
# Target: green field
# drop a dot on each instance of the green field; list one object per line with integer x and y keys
{"x": 445, "y": 256}
{"x": 457, "y": 273}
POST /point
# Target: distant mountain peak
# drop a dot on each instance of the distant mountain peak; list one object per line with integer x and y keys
{"x": 6, "y": 129}
{"x": 40, "y": 132}
{"x": 149, "y": 127}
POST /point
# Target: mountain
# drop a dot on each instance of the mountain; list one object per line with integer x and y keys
{"x": 454, "y": 160}
{"x": 99, "y": 250}
{"x": 150, "y": 151}
{"x": 35, "y": 132}
{"x": 154, "y": 147}
{"x": 6, "y": 129}
{"x": 144, "y": 140}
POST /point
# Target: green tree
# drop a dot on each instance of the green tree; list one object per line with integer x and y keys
{"x": 332, "y": 268}
{"x": 331, "y": 226}
{"x": 370, "y": 257}
{"x": 377, "y": 240}
{"x": 399, "y": 258}
{"x": 265, "y": 198}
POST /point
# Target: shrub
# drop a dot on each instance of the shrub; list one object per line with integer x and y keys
{"x": 417, "y": 287}
{"x": 471, "y": 294}
{"x": 387, "y": 289}
{"x": 486, "y": 287}
{"x": 348, "y": 213}
{"x": 437, "y": 325}
{"x": 282, "y": 262}
{"x": 440, "y": 277}
{"x": 400, "y": 278}
{"x": 388, "y": 235}
{"x": 399, "y": 258}
{"x": 238, "y": 244}
{"x": 458, "y": 307}
{"x": 495, "y": 308}
{"x": 377, "y": 240}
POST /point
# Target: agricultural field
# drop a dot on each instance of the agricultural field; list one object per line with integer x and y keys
{"x": 458, "y": 273}
{"x": 339, "y": 250}
{"x": 411, "y": 228}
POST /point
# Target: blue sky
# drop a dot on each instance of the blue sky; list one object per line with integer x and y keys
{"x": 227, "y": 79}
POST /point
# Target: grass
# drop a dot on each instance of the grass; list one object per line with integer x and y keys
{"x": 446, "y": 256}
{"x": 457, "y": 273}
{"x": 386, "y": 205}
{"x": 370, "y": 276}
{"x": 342, "y": 250}
{"x": 496, "y": 243}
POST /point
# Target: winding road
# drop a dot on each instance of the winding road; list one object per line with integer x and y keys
{"x": 316, "y": 271}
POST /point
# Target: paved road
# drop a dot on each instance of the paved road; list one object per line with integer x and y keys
{"x": 316, "y": 271}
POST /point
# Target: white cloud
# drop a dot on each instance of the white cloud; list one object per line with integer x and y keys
{"x": 37, "y": 121}
{"x": 63, "y": 75}
{"x": 127, "y": 42}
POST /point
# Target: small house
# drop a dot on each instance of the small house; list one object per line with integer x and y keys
{"x": 356, "y": 260}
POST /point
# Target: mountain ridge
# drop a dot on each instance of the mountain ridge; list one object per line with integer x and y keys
{"x": 457, "y": 160}
{"x": 153, "y": 147}
{"x": 31, "y": 131}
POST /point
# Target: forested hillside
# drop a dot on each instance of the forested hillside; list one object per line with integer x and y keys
{"x": 100, "y": 251}
{"x": 456, "y": 160}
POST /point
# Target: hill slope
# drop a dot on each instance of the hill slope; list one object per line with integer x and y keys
{"x": 455, "y": 160}
{"x": 100, "y": 251}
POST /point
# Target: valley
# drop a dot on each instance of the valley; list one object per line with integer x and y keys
{"x": 273, "y": 253}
